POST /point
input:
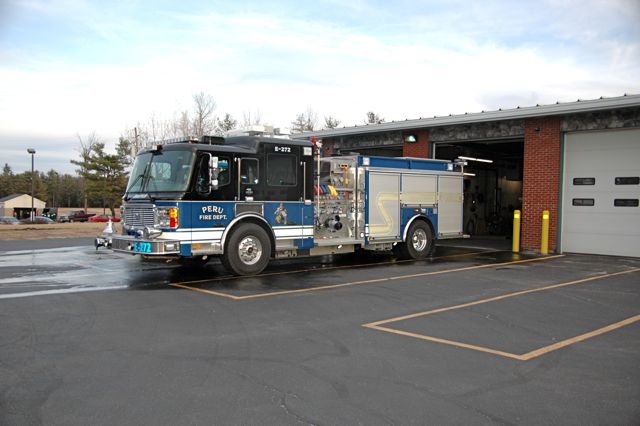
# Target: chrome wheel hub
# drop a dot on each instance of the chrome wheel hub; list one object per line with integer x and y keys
{"x": 419, "y": 240}
{"x": 250, "y": 250}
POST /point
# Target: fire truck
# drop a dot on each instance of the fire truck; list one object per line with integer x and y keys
{"x": 250, "y": 199}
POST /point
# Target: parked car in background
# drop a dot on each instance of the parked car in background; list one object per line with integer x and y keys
{"x": 38, "y": 220}
{"x": 75, "y": 216}
{"x": 9, "y": 220}
{"x": 50, "y": 212}
{"x": 103, "y": 218}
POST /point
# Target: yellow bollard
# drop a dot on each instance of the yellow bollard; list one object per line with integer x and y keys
{"x": 544, "y": 241}
{"x": 515, "y": 245}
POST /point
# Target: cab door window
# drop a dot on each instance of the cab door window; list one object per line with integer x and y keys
{"x": 249, "y": 171}
{"x": 281, "y": 170}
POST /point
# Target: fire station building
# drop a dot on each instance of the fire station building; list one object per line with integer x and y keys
{"x": 578, "y": 160}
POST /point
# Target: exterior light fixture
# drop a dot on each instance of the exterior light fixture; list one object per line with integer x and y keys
{"x": 410, "y": 138}
{"x": 481, "y": 160}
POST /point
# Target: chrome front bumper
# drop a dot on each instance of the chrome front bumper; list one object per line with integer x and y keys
{"x": 148, "y": 247}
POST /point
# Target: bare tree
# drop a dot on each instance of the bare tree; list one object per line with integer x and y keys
{"x": 158, "y": 129}
{"x": 203, "y": 120}
{"x": 305, "y": 121}
{"x": 249, "y": 120}
{"x": 182, "y": 125}
{"x": 373, "y": 118}
{"x": 331, "y": 122}
{"x": 197, "y": 122}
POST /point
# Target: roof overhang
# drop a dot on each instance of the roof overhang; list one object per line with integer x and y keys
{"x": 564, "y": 108}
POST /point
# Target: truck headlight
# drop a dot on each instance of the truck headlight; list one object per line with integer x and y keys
{"x": 167, "y": 217}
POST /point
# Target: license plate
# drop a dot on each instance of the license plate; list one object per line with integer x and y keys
{"x": 142, "y": 247}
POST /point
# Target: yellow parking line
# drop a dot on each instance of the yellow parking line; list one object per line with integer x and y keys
{"x": 361, "y": 282}
{"x": 502, "y": 296}
{"x": 447, "y": 342}
{"x": 202, "y": 290}
{"x": 594, "y": 333}
{"x": 377, "y": 325}
{"x": 331, "y": 268}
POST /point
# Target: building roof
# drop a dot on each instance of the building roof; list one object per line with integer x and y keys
{"x": 559, "y": 108}
{"x": 21, "y": 201}
{"x": 10, "y": 197}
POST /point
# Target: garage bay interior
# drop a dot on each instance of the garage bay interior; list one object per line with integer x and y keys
{"x": 492, "y": 183}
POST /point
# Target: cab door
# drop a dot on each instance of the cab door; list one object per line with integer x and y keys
{"x": 284, "y": 191}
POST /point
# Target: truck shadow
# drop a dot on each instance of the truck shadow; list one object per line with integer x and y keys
{"x": 307, "y": 273}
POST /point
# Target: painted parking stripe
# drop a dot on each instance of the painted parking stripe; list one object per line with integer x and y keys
{"x": 362, "y": 282}
{"x": 332, "y": 268}
{"x": 378, "y": 325}
{"x": 60, "y": 291}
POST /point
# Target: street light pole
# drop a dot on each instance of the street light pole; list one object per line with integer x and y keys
{"x": 33, "y": 153}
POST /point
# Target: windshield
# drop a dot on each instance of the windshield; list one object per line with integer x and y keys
{"x": 163, "y": 171}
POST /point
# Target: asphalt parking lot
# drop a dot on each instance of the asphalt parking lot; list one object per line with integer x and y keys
{"x": 473, "y": 336}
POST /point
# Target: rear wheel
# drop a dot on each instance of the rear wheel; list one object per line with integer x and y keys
{"x": 247, "y": 251}
{"x": 419, "y": 243}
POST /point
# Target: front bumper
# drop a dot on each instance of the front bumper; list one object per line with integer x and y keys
{"x": 149, "y": 247}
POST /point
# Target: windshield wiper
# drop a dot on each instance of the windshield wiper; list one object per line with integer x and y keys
{"x": 140, "y": 176}
{"x": 136, "y": 180}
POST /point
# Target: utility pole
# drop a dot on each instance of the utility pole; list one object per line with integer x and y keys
{"x": 33, "y": 153}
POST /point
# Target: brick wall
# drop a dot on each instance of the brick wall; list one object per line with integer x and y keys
{"x": 541, "y": 181}
{"x": 420, "y": 148}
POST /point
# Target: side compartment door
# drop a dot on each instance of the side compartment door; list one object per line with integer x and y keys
{"x": 449, "y": 206}
{"x": 383, "y": 206}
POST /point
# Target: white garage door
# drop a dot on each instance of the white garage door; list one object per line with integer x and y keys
{"x": 601, "y": 191}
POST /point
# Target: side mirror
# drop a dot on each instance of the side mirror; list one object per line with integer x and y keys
{"x": 214, "y": 171}
{"x": 207, "y": 174}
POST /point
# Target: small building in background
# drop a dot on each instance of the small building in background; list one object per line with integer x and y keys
{"x": 19, "y": 205}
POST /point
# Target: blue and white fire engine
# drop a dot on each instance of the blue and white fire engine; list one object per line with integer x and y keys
{"x": 250, "y": 199}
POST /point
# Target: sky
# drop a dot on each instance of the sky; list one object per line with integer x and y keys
{"x": 71, "y": 68}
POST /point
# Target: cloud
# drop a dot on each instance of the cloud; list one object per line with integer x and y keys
{"x": 87, "y": 67}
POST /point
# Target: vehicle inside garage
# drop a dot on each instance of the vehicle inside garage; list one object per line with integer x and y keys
{"x": 492, "y": 184}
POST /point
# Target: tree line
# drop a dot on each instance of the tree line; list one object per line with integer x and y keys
{"x": 60, "y": 190}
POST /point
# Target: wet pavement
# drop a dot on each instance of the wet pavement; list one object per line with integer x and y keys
{"x": 474, "y": 335}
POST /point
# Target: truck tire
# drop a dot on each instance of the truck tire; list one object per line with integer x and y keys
{"x": 247, "y": 250}
{"x": 419, "y": 243}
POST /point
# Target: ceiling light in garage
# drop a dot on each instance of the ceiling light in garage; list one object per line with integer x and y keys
{"x": 482, "y": 160}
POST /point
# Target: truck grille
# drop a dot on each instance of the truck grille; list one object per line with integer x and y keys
{"x": 139, "y": 217}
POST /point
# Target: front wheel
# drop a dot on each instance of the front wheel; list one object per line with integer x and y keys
{"x": 247, "y": 251}
{"x": 419, "y": 243}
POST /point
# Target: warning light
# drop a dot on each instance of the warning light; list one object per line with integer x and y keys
{"x": 173, "y": 217}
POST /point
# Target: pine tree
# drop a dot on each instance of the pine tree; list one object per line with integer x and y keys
{"x": 106, "y": 174}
